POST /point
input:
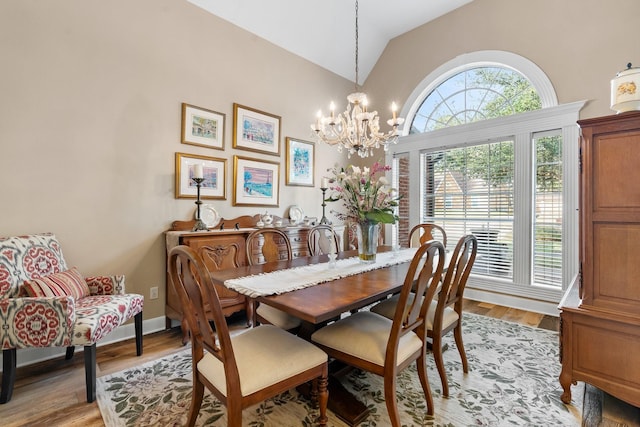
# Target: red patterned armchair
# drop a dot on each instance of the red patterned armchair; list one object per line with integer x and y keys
{"x": 45, "y": 304}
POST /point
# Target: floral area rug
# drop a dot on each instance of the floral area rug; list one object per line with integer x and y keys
{"x": 512, "y": 381}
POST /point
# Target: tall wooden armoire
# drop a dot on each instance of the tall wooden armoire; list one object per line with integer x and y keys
{"x": 600, "y": 313}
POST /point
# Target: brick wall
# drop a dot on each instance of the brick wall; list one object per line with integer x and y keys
{"x": 403, "y": 208}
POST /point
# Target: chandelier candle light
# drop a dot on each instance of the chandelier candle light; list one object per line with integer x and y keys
{"x": 356, "y": 129}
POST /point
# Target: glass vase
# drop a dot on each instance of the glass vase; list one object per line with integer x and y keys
{"x": 367, "y": 233}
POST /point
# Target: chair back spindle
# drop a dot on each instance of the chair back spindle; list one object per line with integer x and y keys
{"x": 422, "y": 233}
{"x": 195, "y": 289}
{"x": 266, "y": 245}
{"x": 320, "y": 240}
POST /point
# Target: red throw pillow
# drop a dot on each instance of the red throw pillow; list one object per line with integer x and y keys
{"x": 65, "y": 283}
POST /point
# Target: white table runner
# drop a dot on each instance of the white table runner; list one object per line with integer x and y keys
{"x": 287, "y": 280}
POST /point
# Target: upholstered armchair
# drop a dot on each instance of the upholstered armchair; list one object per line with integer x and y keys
{"x": 43, "y": 303}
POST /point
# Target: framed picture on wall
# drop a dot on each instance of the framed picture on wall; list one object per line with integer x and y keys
{"x": 300, "y": 162}
{"x": 214, "y": 171}
{"x": 255, "y": 182}
{"x": 256, "y": 130}
{"x": 202, "y": 127}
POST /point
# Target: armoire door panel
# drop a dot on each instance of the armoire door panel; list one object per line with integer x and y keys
{"x": 616, "y": 265}
{"x": 615, "y": 171}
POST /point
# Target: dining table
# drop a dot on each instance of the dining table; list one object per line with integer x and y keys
{"x": 325, "y": 292}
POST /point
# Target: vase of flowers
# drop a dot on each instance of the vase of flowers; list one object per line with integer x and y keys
{"x": 369, "y": 200}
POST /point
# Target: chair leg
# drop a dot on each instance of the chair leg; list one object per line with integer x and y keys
{"x": 234, "y": 413}
{"x": 424, "y": 381}
{"x": 70, "y": 351}
{"x": 184, "y": 327}
{"x": 437, "y": 356}
{"x": 314, "y": 393}
{"x": 138, "y": 325}
{"x": 249, "y": 311}
{"x": 9, "y": 359}
{"x": 390, "y": 400}
{"x": 90, "y": 371}
{"x": 196, "y": 400}
{"x": 323, "y": 398}
{"x": 457, "y": 333}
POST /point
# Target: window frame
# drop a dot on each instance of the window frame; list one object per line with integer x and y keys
{"x": 520, "y": 127}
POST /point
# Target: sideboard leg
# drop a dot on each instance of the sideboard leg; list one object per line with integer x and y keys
{"x": 565, "y": 382}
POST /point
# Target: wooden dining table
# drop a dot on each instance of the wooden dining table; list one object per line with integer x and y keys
{"x": 318, "y": 304}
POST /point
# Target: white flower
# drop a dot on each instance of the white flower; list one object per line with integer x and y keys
{"x": 366, "y": 193}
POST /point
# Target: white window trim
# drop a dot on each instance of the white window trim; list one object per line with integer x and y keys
{"x": 521, "y": 127}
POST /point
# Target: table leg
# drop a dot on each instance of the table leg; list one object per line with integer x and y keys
{"x": 345, "y": 405}
{"x": 341, "y": 402}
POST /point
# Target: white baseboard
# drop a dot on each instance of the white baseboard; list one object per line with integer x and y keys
{"x": 28, "y": 356}
{"x": 528, "y": 304}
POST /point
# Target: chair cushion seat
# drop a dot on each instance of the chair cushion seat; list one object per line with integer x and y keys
{"x": 365, "y": 335}
{"x": 96, "y": 316}
{"x": 265, "y": 355}
{"x": 387, "y": 308}
{"x": 278, "y": 317}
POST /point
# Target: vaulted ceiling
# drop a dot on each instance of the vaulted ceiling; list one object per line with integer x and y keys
{"x": 323, "y": 31}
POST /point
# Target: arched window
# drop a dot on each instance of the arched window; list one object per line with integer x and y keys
{"x": 489, "y": 152}
{"x": 473, "y": 95}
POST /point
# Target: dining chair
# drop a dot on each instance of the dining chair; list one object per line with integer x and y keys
{"x": 266, "y": 245}
{"x": 445, "y": 313}
{"x": 424, "y": 232}
{"x": 385, "y": 347}
{"x": 320, "y": 240}
{"x": 245, "y": 369}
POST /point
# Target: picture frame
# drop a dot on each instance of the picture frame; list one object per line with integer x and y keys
{"x": 256, "y": 182}
{"x": 202, "y": 127}
{"x": 214, "y": 171}
{"x": 255, "y": 130}
{"x": 300, "y": 162}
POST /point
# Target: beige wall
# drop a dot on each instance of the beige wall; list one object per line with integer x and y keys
{"x": 90, "y": 105}
{"x": 579, "y": 44}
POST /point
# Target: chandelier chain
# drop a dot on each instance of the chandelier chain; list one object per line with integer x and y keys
{"x": 357, "y": 66}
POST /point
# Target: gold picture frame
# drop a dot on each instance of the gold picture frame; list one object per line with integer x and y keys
{"x": 300, "y": 162}
{"x": 214, "y": 171}
{"x": 256, "y": 182}
{"x": 202, "y": 127}
{"x": 256, "y": 130}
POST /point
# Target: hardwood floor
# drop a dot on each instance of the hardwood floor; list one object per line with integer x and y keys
{"x": 52, "y": 393}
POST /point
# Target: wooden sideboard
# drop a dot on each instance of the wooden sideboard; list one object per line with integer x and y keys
{"x": 224, "y": 247}
{"x": 600, "y": 313}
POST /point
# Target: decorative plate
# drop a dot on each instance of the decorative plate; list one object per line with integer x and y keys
{"x": 209, "y": 215}
{"x": 295, "y": 214}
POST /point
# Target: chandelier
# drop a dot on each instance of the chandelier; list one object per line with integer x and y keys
{"x": 356, "y": 130}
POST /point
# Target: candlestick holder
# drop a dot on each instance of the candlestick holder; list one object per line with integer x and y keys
{"x": 324, "y": 219}
{"x": 199, "y": 225}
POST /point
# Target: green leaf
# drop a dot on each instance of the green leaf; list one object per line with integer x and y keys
{"x": 381, "y": 216}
